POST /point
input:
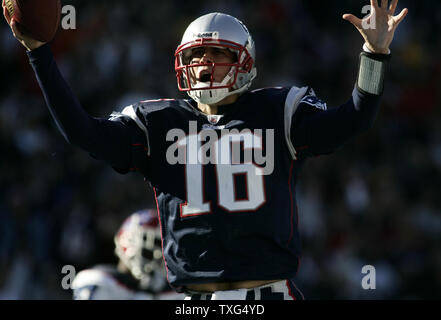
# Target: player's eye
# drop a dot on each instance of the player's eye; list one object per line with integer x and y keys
{"x": 197, "y": 53}
{"x": 220, "y": 51}
{"x": 224, "y": 53}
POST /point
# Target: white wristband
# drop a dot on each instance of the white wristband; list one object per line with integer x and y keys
{"x": 371, "y": 72}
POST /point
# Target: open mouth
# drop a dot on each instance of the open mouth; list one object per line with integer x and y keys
{"x": 204, "y": 74}
{"x": 205, "y": 77}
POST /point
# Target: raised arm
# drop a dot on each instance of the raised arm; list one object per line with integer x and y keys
{"x": 320, "y": 132}
{"x": 106, "y": 140}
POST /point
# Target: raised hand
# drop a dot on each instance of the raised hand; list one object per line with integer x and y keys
{"x": 379, "y": 27}
{"x": 27, "y": 42}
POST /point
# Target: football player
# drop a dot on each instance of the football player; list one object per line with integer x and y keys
{"x": 229, "y": 225}
{"x": 140, "y": 273}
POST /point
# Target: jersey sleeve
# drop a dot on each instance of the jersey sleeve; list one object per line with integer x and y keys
{"x": 316, "y": 129}
{"x": 139, "y": 145}
{"x": 106, "y": 140}
{"x": 292, "y": 102}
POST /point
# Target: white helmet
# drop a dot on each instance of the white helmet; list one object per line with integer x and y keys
{"x": 216, "y": 30}
{"x": 138, "y": 246}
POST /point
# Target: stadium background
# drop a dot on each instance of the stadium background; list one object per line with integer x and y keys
{"x": 375, "y": 202}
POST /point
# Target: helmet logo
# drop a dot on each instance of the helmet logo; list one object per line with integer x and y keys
{"x": 209, "y": 34}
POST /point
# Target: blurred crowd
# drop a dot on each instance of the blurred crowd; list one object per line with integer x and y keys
{"x": 375, "y": 202}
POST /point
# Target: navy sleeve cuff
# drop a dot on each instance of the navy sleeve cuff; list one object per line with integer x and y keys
{"x": 40, "y": 53}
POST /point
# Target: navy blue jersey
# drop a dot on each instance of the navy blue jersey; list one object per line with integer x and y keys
{"x": 240, "y": 226}
{"x": 232, "y": 218}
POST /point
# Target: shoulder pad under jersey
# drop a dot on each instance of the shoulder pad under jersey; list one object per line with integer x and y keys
{"x": 96, "y": 284}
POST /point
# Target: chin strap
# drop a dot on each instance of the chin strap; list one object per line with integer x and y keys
{"x": 215, "y": 95}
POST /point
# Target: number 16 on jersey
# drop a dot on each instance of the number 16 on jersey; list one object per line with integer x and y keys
{"x": 223, "y": 152}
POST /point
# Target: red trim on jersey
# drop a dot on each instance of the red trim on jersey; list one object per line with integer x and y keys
{"x": 289, "y": 291}
{"x": 301, "y": 294}
{"x": 140, "y": 145}
{"x": 292, "y": 211}
{"x": 292, "y": 203}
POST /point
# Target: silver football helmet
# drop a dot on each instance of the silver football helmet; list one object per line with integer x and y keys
{"x": 222, "y": 31}
{"x": 138, "y": 246}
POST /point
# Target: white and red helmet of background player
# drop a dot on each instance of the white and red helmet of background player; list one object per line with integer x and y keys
{"x": 216, "y": 30}
{"x": 138, "y": 246}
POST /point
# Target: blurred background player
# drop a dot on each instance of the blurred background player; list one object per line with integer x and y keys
{"x": 140, "y": 273}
